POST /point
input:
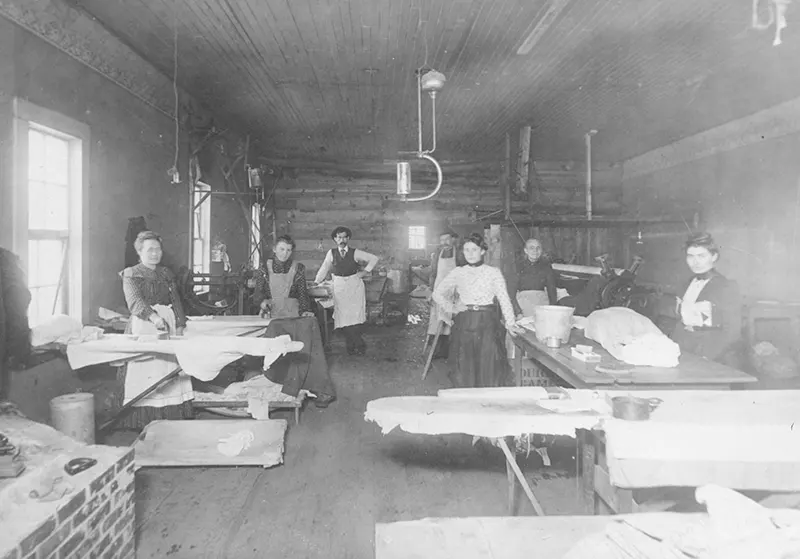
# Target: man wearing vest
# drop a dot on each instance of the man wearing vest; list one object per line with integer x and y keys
{"x": 349, "y": 294}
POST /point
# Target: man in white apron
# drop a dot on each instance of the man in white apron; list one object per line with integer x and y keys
{"x": 349, "y": 293}
{"x": 443, "y": 262}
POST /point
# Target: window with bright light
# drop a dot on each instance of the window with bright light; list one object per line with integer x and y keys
{"x": 416, "y": 238}
{"x": 201, "y": 231}
{"x": 48, "y": 172}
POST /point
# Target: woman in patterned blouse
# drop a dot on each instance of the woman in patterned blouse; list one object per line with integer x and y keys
{"x": 151, "y": 294}
{"x": 477, "y": 341}
{"x": 287, "y": 286}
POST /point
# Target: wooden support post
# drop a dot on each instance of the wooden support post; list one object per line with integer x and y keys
{"x": 507, "y": 177}
{"x": 524, "y": 158}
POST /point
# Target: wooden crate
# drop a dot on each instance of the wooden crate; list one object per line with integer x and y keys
{"x": 533, "y": 374}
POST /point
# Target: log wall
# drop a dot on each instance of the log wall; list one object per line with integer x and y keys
{"x": 310, "y": 203}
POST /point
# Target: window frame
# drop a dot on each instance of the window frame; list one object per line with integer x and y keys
{"x": 423, "y": 233}
{"x": 201, "y": 203}
{"x": 27, "y": 116}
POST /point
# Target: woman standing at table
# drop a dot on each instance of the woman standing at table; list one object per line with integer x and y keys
{"x": 535, "y": 283}
{"x": 710, "y": 309}
{"x": 151, "y": 293}
{"x": 477, "y": 350}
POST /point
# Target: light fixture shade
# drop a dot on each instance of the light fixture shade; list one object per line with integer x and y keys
{"x": 403, "y": 178}
{"x": 433, "y": 81}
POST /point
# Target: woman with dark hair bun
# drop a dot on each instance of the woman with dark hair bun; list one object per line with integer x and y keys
{"x": 477, "y": 341}
{"x": 710, "y": 310}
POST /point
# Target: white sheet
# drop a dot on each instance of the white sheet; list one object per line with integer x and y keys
{"x": 437, "y": 416}
{"x": 200, "y": 356}
{"x": 631, "y": 338}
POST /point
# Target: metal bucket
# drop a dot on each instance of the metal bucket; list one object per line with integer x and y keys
{"x": 633, "y": 408}
{"x": 553, "y": 321}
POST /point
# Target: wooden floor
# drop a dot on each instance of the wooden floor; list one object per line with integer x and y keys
{"x": 340, "y": 476}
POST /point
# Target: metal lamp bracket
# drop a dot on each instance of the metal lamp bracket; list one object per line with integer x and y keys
{"x": 438, "y": 179}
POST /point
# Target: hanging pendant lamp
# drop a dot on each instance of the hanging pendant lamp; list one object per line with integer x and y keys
{"x": 431, "y": 82}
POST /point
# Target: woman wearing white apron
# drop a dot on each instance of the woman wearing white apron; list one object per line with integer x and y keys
{"x": 281, "y": 287}
{"x": 349, "y": 293}
{"x": 444, "y": 262}
{"x": 152, "y": 297}
{"x": 534, "y": 284}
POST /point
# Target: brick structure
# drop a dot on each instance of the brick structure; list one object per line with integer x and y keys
{"x": 94, "y": 522}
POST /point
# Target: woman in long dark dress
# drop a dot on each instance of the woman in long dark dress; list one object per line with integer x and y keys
{"x": 151, "y": 294}
{"x": 477, "y": 340}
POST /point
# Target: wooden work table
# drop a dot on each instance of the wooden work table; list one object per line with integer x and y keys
{"x": 692, "y": 372}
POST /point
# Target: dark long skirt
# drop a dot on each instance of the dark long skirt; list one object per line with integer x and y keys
{"x": 138, "y": 417}
{"x": 478, "y": 356}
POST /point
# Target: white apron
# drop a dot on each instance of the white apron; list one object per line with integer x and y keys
{"x": 528, "y": 300}
{"x": 279, "y": 286}
{"x": 143, "y": 374}
{"x": 349, "y": 301}
{"x": 443, "y": 267}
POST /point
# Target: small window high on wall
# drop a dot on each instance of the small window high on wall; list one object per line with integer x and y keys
{"x": 48, "y": 208}
{"x": 416, "y": 238}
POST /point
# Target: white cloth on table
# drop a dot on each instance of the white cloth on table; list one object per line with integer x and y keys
{"x": 62, "y": 329}
{"x": 225, "y": 325}
{"x": 631, "y": 338}
{"x": 143, "y": 374}
{"x": 202, "y": 357}
{"x": 438, "y": 416}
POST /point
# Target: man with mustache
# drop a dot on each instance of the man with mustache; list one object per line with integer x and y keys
{"x": 349, "y": 293}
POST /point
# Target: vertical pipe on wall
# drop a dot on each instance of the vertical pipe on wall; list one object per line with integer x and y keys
{"x": 507, "y": 178}
{"x": 588, "y": 137}
{"x": 524, "y": 158}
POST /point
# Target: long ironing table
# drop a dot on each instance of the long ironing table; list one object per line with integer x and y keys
{"x": 739, "y": 439}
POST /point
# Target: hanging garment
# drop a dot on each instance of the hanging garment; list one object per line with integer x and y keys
{"x": 143, "y": 374}
{"x": 349, "y": 301}
{"x": 283, "y": 306}
{"x": 443, "y": 267}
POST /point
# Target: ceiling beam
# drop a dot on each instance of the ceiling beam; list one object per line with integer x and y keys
{"x": 554, "y": 9}
{"x": 378, "y": 167}
{"x": 768, "y": 124}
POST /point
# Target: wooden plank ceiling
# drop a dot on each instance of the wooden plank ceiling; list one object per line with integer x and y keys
{"x": 329, "y": 80}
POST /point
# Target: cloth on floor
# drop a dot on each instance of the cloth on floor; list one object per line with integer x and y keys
{"x": 305, "y": 369}
{"x": 631, "y": 338}
{"x": 236, "y": 443}
{"x": 257, "y": 387}
{"x": 734, "y": 527}
{"x": 258, "y": 392}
